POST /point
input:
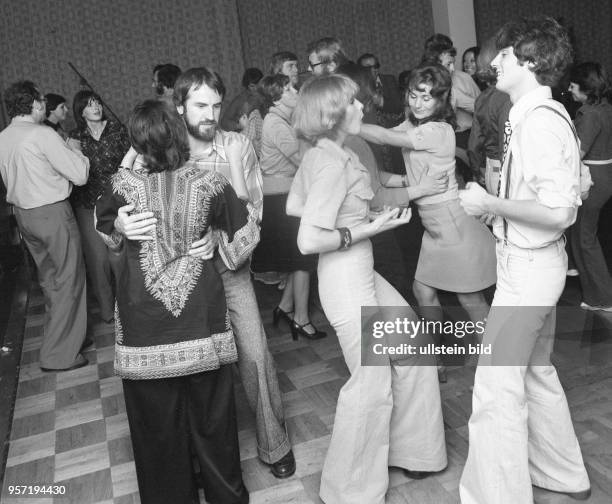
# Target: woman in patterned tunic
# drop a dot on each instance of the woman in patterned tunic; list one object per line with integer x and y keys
{"x": 174, "y": 337}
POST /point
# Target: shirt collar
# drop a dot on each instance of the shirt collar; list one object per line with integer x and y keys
{"x": 345, "y": 154}
{"x": 216, "y": 147}
{"x": 527, "y": 102}
{"x": 327, "y": 144}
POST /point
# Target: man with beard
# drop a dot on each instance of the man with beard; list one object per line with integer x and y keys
{"x": 198, "y": 94}
{"x": 164, "y": 77}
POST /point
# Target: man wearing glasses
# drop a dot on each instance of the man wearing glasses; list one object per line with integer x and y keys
{"x": 325, "y": 56}
{"x": 39, "y": 169}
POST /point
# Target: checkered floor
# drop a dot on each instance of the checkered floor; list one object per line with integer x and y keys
{"x": 71, "y": 428}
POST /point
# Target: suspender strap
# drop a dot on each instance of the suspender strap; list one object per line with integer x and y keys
{"x": 509, "y": 166}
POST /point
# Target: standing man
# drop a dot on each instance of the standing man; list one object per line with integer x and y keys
{"x": 199, "y": 93}
{"x": 164, "y": 77}
{"x": 38, "y": 170}
{"x": 521, "y": 432}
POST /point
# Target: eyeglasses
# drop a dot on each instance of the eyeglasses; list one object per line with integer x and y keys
{"x": 312, "y": 66}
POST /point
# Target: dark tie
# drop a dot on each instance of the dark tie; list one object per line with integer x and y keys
{"x": 507, "y": 135}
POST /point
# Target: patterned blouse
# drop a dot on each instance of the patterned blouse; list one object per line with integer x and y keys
{"x": 172, "y": 316}
{"x": 104, "y": 155}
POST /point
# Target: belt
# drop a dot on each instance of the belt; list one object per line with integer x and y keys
{"x": 597, "y": 161}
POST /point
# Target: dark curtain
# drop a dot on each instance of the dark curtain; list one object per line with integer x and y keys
{"x": 394, "y": 30}
{"x": 589, "y": 22}
{"x": 115, "y": 44}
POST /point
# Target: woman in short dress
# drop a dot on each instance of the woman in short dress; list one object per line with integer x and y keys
{"x": 590, "y": 86}
{"x": 387, "y": 415}
{"x": 281, "y": 153}
{"x": 457, "y": 252}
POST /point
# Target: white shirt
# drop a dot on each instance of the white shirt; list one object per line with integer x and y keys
{"x": 545, "y": 166}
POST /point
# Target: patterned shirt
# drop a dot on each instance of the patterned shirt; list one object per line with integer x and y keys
{"x": 104, "y": 155}
{"x": 215, "y": 159}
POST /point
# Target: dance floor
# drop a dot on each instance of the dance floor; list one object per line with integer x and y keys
{"x": 71, "y": 428}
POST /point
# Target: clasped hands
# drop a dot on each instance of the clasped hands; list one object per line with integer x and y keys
{"x": 476, "y": 202}
{"x": 141, "y": 227}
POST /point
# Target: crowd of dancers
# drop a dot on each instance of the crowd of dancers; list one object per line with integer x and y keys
{"x": 171, "y": 215}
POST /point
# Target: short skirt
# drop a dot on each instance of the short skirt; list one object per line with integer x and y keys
{"x": 277, "y": 249}
{"x": 457, "y": 251}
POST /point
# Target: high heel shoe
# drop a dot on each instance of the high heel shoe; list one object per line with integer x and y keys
{"x": 297, "y": 329}
{"x": 279, "y": 313}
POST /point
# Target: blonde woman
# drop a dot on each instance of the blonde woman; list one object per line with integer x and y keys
{"x": 386, "y": 415}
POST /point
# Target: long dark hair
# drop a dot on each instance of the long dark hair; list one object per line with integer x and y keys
{"x": 79, "y": 102}
{"x": 593, "y": 82}
{"x": 159, "y": 133}
{"x": 439, "y": 78}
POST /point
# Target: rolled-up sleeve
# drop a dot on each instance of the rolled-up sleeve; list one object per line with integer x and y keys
{"x": 324, "y": 196}
{"x": 551, "y": 163}
{"x": 252, "y": 176}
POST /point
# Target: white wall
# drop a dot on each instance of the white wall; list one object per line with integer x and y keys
{"x": 455, "y": 18}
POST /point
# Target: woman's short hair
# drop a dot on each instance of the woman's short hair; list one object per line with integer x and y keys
{"x": 79, "y": 102}
{"x": 271, "y": 89}
{"x": 440, "y": 80}
{"x": 593, "y": 81}
{"x": 20, "y": 96}
{"x": 541, "y": 41}
{"x": 159, "y": 133}
{"x": 322, "y": 105}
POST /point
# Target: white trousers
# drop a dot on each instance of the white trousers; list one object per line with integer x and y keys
{"x": 520, "y": 430}
{"x": 386, "y": 415}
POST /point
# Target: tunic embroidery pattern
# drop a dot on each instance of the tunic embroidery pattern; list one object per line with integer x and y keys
{"x": 170, "y": 273}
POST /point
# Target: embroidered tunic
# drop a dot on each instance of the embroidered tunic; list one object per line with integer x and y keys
{"x": 172, "y": 318}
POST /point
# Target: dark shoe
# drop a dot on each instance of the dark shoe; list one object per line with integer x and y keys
{"x": 285, "y": 467}
{"x": 297, "y": 329}
{"x": 442, "y": 376}
{"x": 277, "y": 314}
{"x": 79, "y": 363}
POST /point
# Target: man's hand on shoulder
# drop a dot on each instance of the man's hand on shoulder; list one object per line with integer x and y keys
{"x": 139, "y": 226}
